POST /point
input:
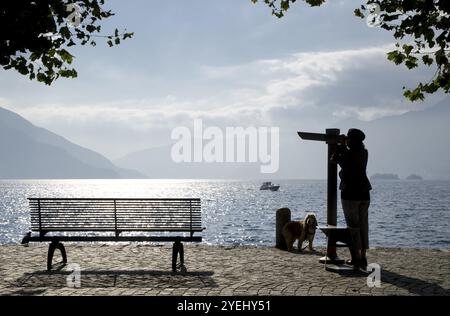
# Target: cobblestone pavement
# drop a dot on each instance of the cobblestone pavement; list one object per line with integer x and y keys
{"x": 142, "y": 269}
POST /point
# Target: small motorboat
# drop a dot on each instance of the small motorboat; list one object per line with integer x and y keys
{"x": 266, "y": 185}
{"x": 269, "y": 186}
{"x": 274, "y": 187}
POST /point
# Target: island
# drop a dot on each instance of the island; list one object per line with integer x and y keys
{"x": 414, "y": 177}
{"x": 384, "y": 176}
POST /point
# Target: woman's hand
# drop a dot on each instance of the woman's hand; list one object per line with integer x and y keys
{"x": 342, "y": 140}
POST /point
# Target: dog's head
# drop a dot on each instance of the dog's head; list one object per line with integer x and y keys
{"x": 310, "y": 222}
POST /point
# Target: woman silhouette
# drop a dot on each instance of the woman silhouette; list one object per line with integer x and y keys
{"x": 352, "y": 157}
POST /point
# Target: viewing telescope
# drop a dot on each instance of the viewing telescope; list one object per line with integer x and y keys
{"x": 332, "y": 138}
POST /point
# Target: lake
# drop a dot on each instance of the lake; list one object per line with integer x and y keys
{"x": 402, "y": 213}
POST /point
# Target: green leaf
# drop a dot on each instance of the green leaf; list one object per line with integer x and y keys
{"x": 22, "y": 70}
{"x": 66, "y": 56}
{"x": 411, "y": 62}
{"x": 128, "y": 35}
{"x": 91, "y": 28}
{"x": 407, "y": 49}
{"x": 313, "y": 3}
{"x": 41, "y": 77}
{"x": 414, "y": 95}
{"x": 390, "y": 17}
{"x": 284, "y": 5}
{"x": 440, "y": 57}
{"x": 431, "y": 87}
{"x": 67, "y": 73}
{"x": 396, "y": 57}
{"x": 427, "y": 60}
{"x": 65, "y": 32}
{"x": 358, "y": 13}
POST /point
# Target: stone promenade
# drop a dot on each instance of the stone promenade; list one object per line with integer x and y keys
{"x": 140, "y": 269}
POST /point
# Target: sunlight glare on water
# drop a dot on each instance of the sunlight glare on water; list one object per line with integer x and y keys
{"x": 402, "y": 213}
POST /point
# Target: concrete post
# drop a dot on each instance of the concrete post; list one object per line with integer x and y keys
{"x": 283, "y": 216}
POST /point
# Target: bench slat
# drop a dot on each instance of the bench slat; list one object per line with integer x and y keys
{"x": 112, "y": 229}
{"x": 119, "y": 238}
{"x": 114, "y": 199}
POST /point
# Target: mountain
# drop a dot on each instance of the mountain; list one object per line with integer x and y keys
{"x": 414, "y": 177}
{"x": 384, "y": 176}
{"x": 31, "y": 152}
{"x": 414, "y": 142}
{"x": 157, "y": 163}
{"x": 293, "y": 156}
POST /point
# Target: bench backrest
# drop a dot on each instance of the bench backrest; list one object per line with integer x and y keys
{"x": 92, "y": 214}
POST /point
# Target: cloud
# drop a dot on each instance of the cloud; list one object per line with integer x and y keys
{"x": 282, "y": 82}
{"x": 367, "y": 113}
{"x": 307, "y": 88}
{"x": 250, "y": 91}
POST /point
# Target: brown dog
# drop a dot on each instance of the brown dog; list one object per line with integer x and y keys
{"x": 301, "y": 230}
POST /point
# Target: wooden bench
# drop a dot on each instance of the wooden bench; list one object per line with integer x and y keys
{"x": 58, "y": 220}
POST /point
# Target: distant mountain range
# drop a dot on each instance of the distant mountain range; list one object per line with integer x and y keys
{"x": 157, "y": 163}
{"x": 31, "y": 152}
{"x": 414, "y": 142}
{"x": 384, "y": 176}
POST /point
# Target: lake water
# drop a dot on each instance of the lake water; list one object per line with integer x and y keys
{"x": 402, "y": 213}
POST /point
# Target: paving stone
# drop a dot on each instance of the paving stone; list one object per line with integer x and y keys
{"x": 145, "y": 269}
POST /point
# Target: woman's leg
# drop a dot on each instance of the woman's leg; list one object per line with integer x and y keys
{"x": 351, "y": 213}
{"x": 364, "y": 227}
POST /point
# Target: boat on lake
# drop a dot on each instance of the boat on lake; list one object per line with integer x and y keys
{"x": 274, "y": 187}
{"x": 269, "y": 186}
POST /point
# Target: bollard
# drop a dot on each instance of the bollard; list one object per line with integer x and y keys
{"x": 283, "y": 216}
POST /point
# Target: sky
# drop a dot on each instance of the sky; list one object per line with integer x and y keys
{"x": 228, "y": 62}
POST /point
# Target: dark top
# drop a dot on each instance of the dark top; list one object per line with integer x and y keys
{"x": 354, "y": 182}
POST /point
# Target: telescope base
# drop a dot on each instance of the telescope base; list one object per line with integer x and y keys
{"x": 335, "y": 260}
{"x": 339, "y": 268}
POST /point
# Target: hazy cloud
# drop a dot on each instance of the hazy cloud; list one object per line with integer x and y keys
{"x": 318, "y": 86}
{"x": 231, "y": 64}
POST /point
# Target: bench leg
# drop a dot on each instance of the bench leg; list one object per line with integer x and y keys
{"x": 51, "y": 250}
{"x": 177, "y": 249}
{"x": 181, "y": 254}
